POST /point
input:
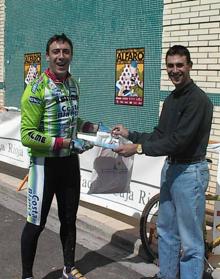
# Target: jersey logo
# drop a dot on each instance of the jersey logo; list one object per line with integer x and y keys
{"x": 55, "y": 89}
{"x": 56, "y": 92}
{"x": 62, "y": 99}
{"x": 68, "y": 111}
{"x": 37, "y": 137}
{"x": 36, "y": 84}
{"x": 34, "y": 100}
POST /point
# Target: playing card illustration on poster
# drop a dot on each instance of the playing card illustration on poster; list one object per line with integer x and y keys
{"x": 32, "y": 67}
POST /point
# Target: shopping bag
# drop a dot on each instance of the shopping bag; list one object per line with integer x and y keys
{"x": 111, "y": 173}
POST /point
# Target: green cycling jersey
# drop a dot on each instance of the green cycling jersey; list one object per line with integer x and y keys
{"x": 49, "y": 110}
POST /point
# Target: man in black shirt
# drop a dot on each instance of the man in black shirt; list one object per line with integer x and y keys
{"x": 182, "y": 135}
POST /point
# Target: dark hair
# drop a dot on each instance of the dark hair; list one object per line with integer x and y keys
{"x": 179, "y": 50}
{"x": 62, "y": 38}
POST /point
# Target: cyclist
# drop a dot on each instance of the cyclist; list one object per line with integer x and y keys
{"x": 182, "y": 134}
{"x": 49, "y": 124}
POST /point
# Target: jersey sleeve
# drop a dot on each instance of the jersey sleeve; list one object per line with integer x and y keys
{"x": 32, "y": 109}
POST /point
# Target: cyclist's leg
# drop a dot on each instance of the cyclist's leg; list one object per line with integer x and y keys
{"x": 168, "y": 237}
{"x": 189, "y": 195}
{"x": 39, "y": 198}
{"x": 67, "y": 193}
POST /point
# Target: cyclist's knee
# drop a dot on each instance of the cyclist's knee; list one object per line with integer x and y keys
{"x": 32, "y": 229}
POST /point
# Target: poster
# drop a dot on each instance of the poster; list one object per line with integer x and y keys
{"x": 32, "y": 67}
{"x": 129, "y": 77}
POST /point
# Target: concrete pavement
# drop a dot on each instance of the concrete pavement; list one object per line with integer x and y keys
{"x": 109, "y": 227}
{"x": 49, "y": 261}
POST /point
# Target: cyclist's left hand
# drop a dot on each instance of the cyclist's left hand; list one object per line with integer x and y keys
{"x": 80, "y": 145}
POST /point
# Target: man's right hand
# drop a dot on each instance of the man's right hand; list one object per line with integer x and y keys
{"x": 120, "y": 130}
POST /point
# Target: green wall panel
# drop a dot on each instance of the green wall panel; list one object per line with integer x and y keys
{"x": 97, "y": 29}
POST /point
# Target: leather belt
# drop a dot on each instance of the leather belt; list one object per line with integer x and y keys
{"x": 173, "y": 160}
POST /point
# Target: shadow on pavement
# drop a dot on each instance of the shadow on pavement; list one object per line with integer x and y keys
{"x": 105, "y": 256}
{"x": 54, "y": 274}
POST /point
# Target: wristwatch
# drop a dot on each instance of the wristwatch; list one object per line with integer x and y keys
{"x": 139, "y": 149}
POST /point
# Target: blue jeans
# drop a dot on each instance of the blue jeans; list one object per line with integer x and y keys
{"x": 180, "y": 220}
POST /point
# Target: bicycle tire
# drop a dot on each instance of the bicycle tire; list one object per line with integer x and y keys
{"x": 148, "y": 232}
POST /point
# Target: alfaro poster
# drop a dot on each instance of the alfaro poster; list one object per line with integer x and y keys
{"x": 129, "y": 75}
{"x": 32, "y": 67}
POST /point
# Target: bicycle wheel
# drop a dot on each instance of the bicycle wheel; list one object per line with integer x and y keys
{"x": 148, "y": 230}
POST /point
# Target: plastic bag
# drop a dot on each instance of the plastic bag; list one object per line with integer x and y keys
{"x": 111, "y": 173}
